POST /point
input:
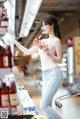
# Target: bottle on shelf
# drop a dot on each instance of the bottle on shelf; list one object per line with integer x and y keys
{"x": 4, "y": 96}
{"x": 2, "y": 50}
{"x": 9, "y": 53}
{"x": 13, "y": 97}
{"x": 0, "y": 93}
{"x": 5, "y": 58}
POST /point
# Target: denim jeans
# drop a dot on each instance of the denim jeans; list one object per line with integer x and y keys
{"x": 52, "y": 80}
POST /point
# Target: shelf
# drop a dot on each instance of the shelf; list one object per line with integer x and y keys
{"x": 3, "y": 30}
{"x": 4, "y": 71}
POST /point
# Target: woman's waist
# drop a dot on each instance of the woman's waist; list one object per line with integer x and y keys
{"x": 50, "y": 67}
{"x": 48, "y": 64}
{"x": 57, "y": 69}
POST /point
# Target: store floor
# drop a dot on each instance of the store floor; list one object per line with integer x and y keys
{"x": 70, "y": 106}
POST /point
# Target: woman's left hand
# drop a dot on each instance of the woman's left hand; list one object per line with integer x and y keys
{"x": 49, "y": 51}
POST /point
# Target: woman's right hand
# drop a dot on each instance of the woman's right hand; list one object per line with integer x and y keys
{"x": 40, "y": 44}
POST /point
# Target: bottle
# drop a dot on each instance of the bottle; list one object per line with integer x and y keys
{"x": 13, "y": 97}
{"x": 37, "y": 41}
{"x": 4, "y": 95}
{"x": 0, "y": 93}
{"x": 5, "y": 58}
{"x": 9, "y": 53}
{"x": 2, "y": 50}
{"x": 42, "y": 35}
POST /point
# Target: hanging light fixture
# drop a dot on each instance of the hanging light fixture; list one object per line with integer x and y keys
{"x": 31, "y": 9}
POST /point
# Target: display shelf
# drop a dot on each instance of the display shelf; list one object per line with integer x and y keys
{"x": 26, "y": 103}
{"x": 3, "y": 30}
{"x": 4, "y": 71}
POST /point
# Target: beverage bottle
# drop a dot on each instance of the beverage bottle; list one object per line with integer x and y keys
{"x": 5, "y": 58}
{"x": 13, "y": 97}
{"x": 38, "y": 40}
{"x": 4, "y": 95}
{"x": 9, "y": 53}
{"x": 0, "y": 93}
{"x": 2, "y": 50}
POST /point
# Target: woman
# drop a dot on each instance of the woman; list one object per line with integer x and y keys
{"x": 50, "y": 53}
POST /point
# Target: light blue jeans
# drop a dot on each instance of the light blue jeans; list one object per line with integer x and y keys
{"x": 52, "y": 80}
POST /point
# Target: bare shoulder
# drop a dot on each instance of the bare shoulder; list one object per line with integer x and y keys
{"x": 58, "y": 40}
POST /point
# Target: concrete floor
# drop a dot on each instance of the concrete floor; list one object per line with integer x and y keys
{"x": 70, "y": 106}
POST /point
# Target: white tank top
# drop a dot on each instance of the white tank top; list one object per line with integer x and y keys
{"x": 46, "y": 61}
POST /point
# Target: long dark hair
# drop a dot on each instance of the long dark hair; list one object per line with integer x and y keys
{"x": 52, "y": 20}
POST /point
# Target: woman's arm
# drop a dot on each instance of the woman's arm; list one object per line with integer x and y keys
{"x": 25, "y": 50}
{"x": 58, "y": 57}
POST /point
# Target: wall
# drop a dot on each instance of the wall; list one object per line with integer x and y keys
{"x": 70, "y": 26}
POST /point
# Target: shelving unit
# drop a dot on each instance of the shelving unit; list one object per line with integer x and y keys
{"x": 5, "y": 62}
{"x": 3, "y": 28}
